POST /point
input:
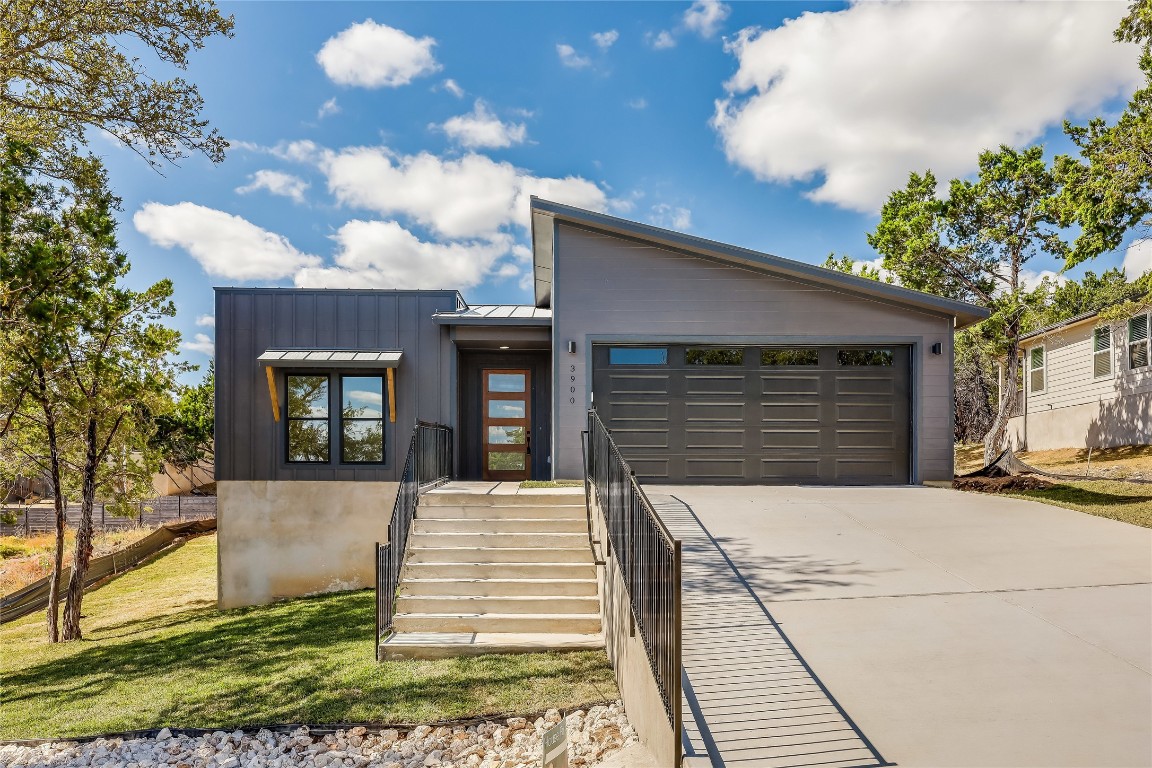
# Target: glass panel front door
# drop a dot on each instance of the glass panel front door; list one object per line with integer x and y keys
{"x": 507, "y": 424}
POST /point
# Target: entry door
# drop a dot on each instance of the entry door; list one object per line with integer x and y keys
{"x": 507, "y": 436}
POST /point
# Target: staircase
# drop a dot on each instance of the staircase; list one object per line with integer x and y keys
{"x": 491, "y": 568}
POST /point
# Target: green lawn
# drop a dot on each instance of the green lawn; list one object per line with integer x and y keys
{"x": 1127, "y": 502}
{"x": 158, "y": 653}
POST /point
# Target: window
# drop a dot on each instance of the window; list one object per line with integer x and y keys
{"x": 638, "y": 356}
{"x": 701, "y": 356}
{"x": 864, "y": 357}
{"x": 789, "y": 357}
{"x": 362, "y": 419}
{"x": 1101, "y": 352}
{"x": 308, "y": 419}
{"x": 1036, "y": 369}
{"x": 1138, "y": 341}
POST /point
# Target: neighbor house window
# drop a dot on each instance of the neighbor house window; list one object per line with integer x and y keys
{"x": 881, "y": 357}
{"x": 308, "y": 439}
{"x": 1101, "y": 352}
{"x": 361, "y": 419}
{"x": 638, "y": 356}
{"x": 1036, "y": 369}
{"x": 789, "y": 357}
{"x": 1138, "y": 341}
{"x": 702, "y": 356}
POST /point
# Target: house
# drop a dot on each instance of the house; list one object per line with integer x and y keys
{"x": 1087, "y": 383}
{"x": 710, "y": 364}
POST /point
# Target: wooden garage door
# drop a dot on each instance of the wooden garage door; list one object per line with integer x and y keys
{"x": 819, "y": 415}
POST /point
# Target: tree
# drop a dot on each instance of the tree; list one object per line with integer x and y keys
{"x": 974, "y": 244}
{"x": 65, "y": 67}
{"x": 183, "y": 437}
{"x": 850, "y": 266}
{"x": 1091, "y": 293}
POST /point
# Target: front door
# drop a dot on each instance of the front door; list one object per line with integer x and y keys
{"x": 507, "y": 436}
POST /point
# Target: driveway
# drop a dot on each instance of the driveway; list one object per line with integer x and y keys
{"x": 941, "y": 628}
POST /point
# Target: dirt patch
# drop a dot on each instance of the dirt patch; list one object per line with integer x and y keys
{"x": 1001, "y": 484}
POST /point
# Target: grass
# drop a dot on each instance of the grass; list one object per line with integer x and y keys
{"x": 551, "y": 483}
{"x": 158, "y": 653}
{"x": 1121, "y": 461}
{"x": 25, "y": 559}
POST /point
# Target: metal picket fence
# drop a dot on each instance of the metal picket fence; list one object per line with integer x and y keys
{"x": 41, "y": 518}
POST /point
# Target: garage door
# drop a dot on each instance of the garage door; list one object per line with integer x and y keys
{"x": 823, "y": 415}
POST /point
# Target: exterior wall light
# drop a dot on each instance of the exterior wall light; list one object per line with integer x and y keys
{"x": 937, "y": 349}
{"x": 571, "y": 347}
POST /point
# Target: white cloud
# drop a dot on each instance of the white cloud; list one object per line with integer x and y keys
{"x": 329, "y": 107}
{"x": 277, "y": 183}
{"x": 661, "y": 41}
{"x": 225, "y": 245}
{"x": 453, "y": 88}
{"x": 856, "y": 99}
{"x": 670, "y": 216}
{"x": 640, "y": 103}
{"x": 201, "y": 342}
{"x": 706, "y": 16}
{"x": 374, "y": 55}
{"x": 382, "y": 254}
{"x": 570, "y": 58}
{"x": 1138, "y": 258}
{"x": 605, "y": 40}
{"x": 481, "y": 128}
{"x": 208, "y": 321}
{"x": 468, "y": 197}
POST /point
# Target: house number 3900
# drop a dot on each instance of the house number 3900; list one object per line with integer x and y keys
{"x": 572, "y": 400}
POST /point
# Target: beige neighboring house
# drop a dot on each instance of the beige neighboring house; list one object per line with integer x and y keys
{"x": 1086, "y": 384}
{"x": 173, "y": 481}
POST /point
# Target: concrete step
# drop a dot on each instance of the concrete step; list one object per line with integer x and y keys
{"x": 471, "y": 554}
{"x": 501, "y": 525}
{"x": 494, "y": 511}
{"x": 439, "y": 645}
{"x": 546, "y": 623}
{"x": 456, "y": 499}
{"x": 487, "y": 605}
{"x": 497, "y": 540}
{"x": 498, "y": 587}
{"x": 473, "y": 571}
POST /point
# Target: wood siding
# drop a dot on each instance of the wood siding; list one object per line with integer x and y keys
{"x": 1068, "y": 369}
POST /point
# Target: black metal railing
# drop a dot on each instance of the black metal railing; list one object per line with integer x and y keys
{"x": 427, "y": 465}
{"x": 648, "y": 558}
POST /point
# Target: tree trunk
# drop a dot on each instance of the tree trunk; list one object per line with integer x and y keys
{"x": 61, "y": 506}
{"x": 83, "y": 553}
{"x": 994, "y": 441}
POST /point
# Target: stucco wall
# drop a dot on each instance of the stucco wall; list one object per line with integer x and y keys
{"x": 1123, "y": 420}
{"x": 612, "y": 289}
{"x": 282, "y": 539}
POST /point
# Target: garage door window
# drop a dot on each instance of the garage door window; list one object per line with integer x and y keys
{"x": 868, "y": 357}
{"x": 789, "y": 357}
{"x": 638, "y": 356}
{"x": 702, "y": 356}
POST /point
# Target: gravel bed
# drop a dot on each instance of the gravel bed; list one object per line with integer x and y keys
{"x": 515, "y": 743}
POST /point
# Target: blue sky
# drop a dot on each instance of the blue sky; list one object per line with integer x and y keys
{"x": 395, "y": 144}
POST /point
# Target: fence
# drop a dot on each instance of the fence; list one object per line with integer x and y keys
{"x": 427, "y": 465}
{"x": 647, "y": 556}
{"x": 41, "y": 518}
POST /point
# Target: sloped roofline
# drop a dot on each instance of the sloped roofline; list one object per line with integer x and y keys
{"x": 545, "y": 213}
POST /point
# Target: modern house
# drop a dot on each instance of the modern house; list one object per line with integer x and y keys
{"x": 1087, "y": 383}
{"x": 709, "y": 363}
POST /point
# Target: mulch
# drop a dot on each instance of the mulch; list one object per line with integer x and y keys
{"x": 1001, "y": 483}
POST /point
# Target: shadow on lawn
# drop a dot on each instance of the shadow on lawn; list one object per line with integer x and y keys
{"x": 1076, "y": 495}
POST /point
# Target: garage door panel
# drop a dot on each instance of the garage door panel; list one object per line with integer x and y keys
{"x": 640, "y": 438}
{"x": 789, "y": 469}
{"x": 874, "y": 412}
{"x": 865, "y": 438}
{"x": 645, "y": 384}
{"x": 789, "y": 439}
{"x": 701, "y": 468}
{"x": 864, "y": 470}
{"x": 714, "y": 411}
{"x": 713, "y": 439}
{"x": 862, "y": 385}
{"x": 790, "y": 412}
{"x": 623, "y": 411}
{"x": 804, "y": 386}
{"x": 697, "y": 384}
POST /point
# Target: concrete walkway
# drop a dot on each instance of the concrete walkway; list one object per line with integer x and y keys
{"x": 923, "y": 627}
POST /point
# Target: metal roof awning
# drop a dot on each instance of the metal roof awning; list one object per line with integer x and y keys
{"x": 496, "y": 314}
{"x": 330, "y": 358}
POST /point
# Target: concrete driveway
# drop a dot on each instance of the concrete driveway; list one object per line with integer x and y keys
{"x": 948, "y": 629}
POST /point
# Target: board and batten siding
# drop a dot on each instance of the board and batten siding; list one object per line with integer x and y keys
{"x": 250, "y": 444}
{"x": 609, "y": 288}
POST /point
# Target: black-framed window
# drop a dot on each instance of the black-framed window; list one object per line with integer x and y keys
{"x": 713, "y": 356}
{"x": 798, "y": 356}
{"x": 362, "y": 419}
{"x": 864, "y": 357}
{"x": 638, "y": 356}
{"x": 309, "y": 441}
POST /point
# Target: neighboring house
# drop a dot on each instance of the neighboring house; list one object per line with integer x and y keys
{"x": 709, "y": 363}
{"x": 1086, "y": 384}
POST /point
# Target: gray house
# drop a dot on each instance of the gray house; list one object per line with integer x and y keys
{"x": 710, "y": 364}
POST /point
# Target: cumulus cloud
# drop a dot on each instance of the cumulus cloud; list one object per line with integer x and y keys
{"x": 856, "y": 99}
{"x": 276, "y": 183}
{"x": 372, "y": 55}
{"x": 1138, "y": 258}
{"x": 201, "y": 342}
{"x": 670, "y": 216}
{"x": 570, "y": 58}
{"x": 661, "y": 41}
{"x": 453, "y": 88}
{"x": 705, "y": 17}
{"x": 225, "y": 245}
{"x": 329, "y": 107}
{"x": 481, "y": 128}
{"x": 468, "y": 197}
{"x": 640, "y": 103}
{"x": 208, "y": 321}
{"x": 382, "y": 254}
{"x": 605, "y": 40}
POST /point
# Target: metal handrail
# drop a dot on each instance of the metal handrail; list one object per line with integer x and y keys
{"x": 649, "y": 560}
{"x": 427, "y": 465}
